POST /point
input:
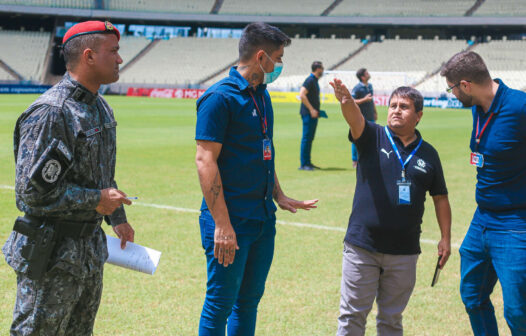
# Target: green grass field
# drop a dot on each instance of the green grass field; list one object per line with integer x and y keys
{"x": 156, "y": 162}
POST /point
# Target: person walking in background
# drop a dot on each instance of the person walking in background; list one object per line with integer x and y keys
{"x": 363, "y": 96}
{"x": 310, "y": 112}
{"x": 494, "y": 247}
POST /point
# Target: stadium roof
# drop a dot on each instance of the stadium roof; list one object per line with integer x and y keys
{"x": 243, "y": 19}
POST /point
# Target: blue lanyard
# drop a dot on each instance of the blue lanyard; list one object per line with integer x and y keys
{"x": 398, "y": 152}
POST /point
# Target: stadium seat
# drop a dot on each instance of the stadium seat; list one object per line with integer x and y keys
{"x": 5, "y": 76}
{"x": 274, "y": 7}
{"x": 402, "y": 62}
{"x": 301, "y": 53}
{"x": 171, "y": 6}
{"x": 51, "y": 3}
{"x": 501, "y": 7}
{"x": 182, "y": 61}
{"x": 131, "y": 46}
{"x": 28, "y": 64}
{"x": 403, "y": 8}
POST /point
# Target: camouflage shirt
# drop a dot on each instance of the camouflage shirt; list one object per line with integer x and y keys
{"x": 85, "y": 125}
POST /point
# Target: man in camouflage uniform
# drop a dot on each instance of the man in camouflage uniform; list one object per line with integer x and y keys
{"x": 65, "y": 145}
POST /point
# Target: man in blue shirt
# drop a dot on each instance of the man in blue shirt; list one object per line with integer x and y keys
{"x": 495, "y": 245}
{"x": 310, "y": 112}
{"x": 396, "y": 169}
{"x": 363, "y": 96}
{"x": 235, "y": 163}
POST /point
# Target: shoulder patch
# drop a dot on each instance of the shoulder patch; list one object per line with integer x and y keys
{"x": 51, "y": 167}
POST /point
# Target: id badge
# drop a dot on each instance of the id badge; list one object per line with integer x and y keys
{"x": 404, "y": 192}
{"x": 477, "y": 160}
{"x": 267, "y": 149}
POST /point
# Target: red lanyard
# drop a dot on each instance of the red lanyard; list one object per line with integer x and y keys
{"x": 263, "y": 120}
{"x": 479, "y": 135}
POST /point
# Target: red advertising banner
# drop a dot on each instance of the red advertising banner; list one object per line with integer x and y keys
{"x": 381, "y": 100}
{"x": 165, "y": 93}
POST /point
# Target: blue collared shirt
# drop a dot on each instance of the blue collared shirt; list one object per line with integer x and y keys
{"x": 501, "y": 182}
{"x": 367, "y": 108}
{"x": 226, "y": 113}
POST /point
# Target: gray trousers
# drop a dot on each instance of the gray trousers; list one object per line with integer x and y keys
{"x": 368, "y": 275}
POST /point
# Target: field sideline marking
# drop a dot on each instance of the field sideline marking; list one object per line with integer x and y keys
{"x": 302, "y": 225}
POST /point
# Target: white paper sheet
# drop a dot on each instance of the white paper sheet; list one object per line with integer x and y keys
{"x": 134, "y": 256}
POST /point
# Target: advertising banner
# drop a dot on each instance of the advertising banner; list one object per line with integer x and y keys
{"x": 282, "y": 97}
{"x": 23, "y": 88}
{"x": 165, "y": 93}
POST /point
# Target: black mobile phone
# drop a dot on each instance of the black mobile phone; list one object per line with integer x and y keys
{"x": 437, "y": 272}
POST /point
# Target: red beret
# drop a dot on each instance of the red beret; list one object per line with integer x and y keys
{"x": 90, "y": 27}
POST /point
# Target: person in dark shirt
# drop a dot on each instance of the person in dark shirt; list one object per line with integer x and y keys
{"x": 495, "y": 244}
{"x": 310, "y": 112}
{"x": 363, "y": 96}
{"x": 396, "y": 169}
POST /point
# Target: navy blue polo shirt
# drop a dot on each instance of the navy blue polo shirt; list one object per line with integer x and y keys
{"x": 313, "y": 94}
{"x": 501, "y": 182}
{"x": 226, "y": 113}
{"x": 360, "y": 91}
{"x": 377, "y": 223}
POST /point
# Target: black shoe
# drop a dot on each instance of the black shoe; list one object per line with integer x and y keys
{"x": 306, "y": 168}
{"x": 314, "y": 166}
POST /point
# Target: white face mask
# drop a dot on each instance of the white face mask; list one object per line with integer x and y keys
{"x": 269, "y": 77}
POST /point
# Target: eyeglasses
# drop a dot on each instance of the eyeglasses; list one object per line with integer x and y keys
{"x": 450, "y": 88}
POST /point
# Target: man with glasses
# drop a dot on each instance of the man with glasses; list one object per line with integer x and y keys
{"x": 495, "y": 245}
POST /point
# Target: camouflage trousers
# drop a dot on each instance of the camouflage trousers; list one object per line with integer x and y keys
{"x": 58, "y": 304}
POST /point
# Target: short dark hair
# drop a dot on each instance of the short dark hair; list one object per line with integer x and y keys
{"x": 316, "y": 65}
{"x": 360, "y": 73}
{"x": 260, "y": 35}
{"x": 410, "y": 93}
{"x": 466, "y": 65}
{"x": 76, "y": 46}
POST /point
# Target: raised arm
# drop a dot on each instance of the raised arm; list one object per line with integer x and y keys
{"x": 225, "y": 242}
{"x": 443, "y": 213}
{"x": 350, "y": 110}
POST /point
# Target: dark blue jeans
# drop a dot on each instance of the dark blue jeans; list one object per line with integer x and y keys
{"x": 233, "y": 293}
{"x": 309, "y": 130}
{"x": 487, "y": 256}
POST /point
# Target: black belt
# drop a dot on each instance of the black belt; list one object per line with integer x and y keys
{"x": 68, "y": 228}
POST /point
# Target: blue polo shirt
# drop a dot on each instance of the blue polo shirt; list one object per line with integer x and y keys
{"x": 226, "y": 113}
{"x": 377, "y": 222}
{"x": 501, "y": 182}
{"x": 360, "y": 91}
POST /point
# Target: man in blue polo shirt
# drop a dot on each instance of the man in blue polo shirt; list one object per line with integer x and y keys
{"x": 235, "y": 163}
{"x": 495, "y": 245}
{"x": 363, "y": 96}
{"x": 310, "y": 112}
{"x": 396, "y": 169}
